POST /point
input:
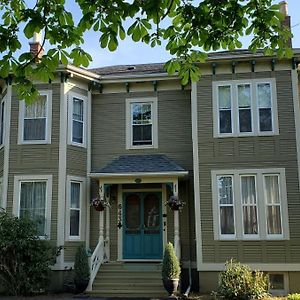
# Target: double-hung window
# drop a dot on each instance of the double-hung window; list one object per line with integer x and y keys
{"x": 75, "y": 206}
{"x": 2, "y": 121}
{"x": 35, "y": 120}
{"x": 245, "y": 108}
{"x": 141, "y": 117}
{"x": 250, "y": 204}
{"x": 77, "y": 119}
{"x": 32, "y": 199}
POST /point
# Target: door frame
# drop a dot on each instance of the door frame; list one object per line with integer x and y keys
{"x": 162, "y": 190}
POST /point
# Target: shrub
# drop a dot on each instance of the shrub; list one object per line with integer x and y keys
{"x": 293, "y": 297}
{"x": 170, "y": 265}
{"x": 24, "y": 258}
{"x": 81, "y": 264}
{"x": 239, "y": 282}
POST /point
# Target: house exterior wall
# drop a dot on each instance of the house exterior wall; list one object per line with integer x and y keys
{"x": 278, "y": 151}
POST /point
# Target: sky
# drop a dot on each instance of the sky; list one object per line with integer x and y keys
{"x": 131, "y": 53}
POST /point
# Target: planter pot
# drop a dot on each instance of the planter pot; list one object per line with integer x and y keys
{"x": 99, "y": 207}
{"x": 81, "y": 285}
{"x": 171, "y": 285}
{"x": 174, "y": 206}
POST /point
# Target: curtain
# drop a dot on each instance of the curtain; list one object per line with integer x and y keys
{"x": 33, "y": 203}
{"x": 249, "y": 205}
{"x": 273, "y": 205}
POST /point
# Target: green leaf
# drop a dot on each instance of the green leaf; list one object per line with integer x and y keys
{"x": 30, "y": 29}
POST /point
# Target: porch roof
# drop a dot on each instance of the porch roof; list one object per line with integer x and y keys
{"x": 142, "y": 165}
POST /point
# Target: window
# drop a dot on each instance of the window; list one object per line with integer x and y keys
{"x": 278, "y": 283}
{"x": 32, "y": 198}
{"x": 141, "y": 117}
{"x": 75, "y": 205}
{"x": 2, "y": 121}
{"x": 77, "y": 119}
{"x": 1, "y": 193}
{"x": 35, "y": 120}
{"x": 250, "y": 204}
{"x": 245, "y": 108}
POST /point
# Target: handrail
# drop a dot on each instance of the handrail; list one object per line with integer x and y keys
{"x": 95, "y": 262}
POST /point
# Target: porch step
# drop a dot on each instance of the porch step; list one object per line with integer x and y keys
{"x": 129, "y": 280}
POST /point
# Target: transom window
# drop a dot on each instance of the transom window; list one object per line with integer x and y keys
{"x": 35, "y": 120}
{"x": 141, "y": 116}
{"x": 250, "y": 204}
{"x": 245, "y": 108}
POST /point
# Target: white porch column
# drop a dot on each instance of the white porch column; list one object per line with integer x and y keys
{"x": 101, "y": 213}
{"x": 107, "y": 226}
{"x": 176, "y": 223}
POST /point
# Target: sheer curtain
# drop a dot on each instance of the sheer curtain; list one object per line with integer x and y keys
{"x": 273, "y": 204}
{"x": 249, "y": 205}
{"x": 33, "y": 203}
{"x": 226, "y": 205}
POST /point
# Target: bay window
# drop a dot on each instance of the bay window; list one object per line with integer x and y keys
{"x": 250, "y": 204}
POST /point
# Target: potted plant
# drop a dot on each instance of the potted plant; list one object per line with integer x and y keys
{"x": 175, "y": 203}
{"x": 170, "y": 270}
{"x": 99, "y": 203}
{"x": 81, "y": 269}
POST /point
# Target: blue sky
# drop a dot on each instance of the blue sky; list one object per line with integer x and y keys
{"x": 130, "y": 52}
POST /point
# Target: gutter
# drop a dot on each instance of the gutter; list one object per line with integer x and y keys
{"x": 138, "y": 174}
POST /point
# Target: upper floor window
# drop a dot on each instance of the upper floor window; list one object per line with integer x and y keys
{"x": 2, "y": 121}
{"x": 245, "y": 108}
{"x": 75, "y": 205}
{"x": 32, "y": 198}
{"x": 250, "y": 204}
{"x": 77, "y": 119}
{"x": 35, "y": 120}
{"x": 141, "y": 117}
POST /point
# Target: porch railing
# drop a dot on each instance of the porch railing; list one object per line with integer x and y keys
{"x": 95, "y": 262}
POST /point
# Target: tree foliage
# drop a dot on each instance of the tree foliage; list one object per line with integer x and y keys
{"x": 193, "y": 29}
{"x": 24, "y": 258}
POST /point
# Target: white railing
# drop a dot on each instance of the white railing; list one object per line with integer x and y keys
{"x": 95, "y": 262}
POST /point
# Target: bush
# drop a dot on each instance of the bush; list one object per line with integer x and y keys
{"x": 81, "y": 265}
{"x": 293, "y": 297}
{"x": 170, "y": 265}
{"x": 24, "y": 258}
{"x": 239, "y": 282}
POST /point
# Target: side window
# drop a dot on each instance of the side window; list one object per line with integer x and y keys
{"x": 77, "y": 120}
{"x": 1, "y": 192}
{"x": 35, "y": 120}
{"x": 141, "y": 127}
{"x": 2, "y": 121}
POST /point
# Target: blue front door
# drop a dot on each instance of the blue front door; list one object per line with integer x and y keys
{"x": 142, "y": 230}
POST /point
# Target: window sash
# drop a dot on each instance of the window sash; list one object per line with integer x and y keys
{"x": 78, "y": 121}
{"x": 75, "y": 208}
{"x": 225, "y": 109}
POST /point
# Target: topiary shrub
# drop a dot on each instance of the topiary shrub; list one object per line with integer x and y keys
{"x": 240, "y": 282}
{"x": 170, "y": 266}
{"x": 24, "y": 259}
{"x": 81, "y": 269}
{"x": 293, "y": 297}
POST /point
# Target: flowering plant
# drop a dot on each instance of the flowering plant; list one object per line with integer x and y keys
{"x": 175, "y": 203}
{"x": 99, "y": 203}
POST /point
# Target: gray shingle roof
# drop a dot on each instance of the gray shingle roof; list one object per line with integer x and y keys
{"x": 141, "y": 163}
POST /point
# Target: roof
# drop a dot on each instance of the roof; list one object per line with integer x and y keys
{"x": 140, "y": 164}
{"x": 158, "y": 68}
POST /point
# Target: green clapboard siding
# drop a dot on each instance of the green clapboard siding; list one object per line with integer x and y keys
{"x": 249, "y": 152}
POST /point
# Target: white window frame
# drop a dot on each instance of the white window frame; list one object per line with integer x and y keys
{"x": 17, "y": 197}
{"x": 254, "y": 108}
{"x": 71, "y": 96}
{"x": 129, "y": 134}
{"x": 2, "y": 113}
{"x": 261, "y": 204}
{"x": 283, "y": 292}
{"x": 47, "y": 140}
{"x": 82, "y": 182}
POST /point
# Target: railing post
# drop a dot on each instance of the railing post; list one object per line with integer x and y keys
{"x": 107, "y": 232}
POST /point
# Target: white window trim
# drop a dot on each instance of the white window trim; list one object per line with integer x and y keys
{"x": 235, "y": 109}
{"x": 72, "y": 95}
{"x": 47, "y": 140}
{"x": 17, "y": 197}
{"x": 261, "y": 206}
{"x": 82, "y": 181}
{"x": 153, "y": 101}
{"x": 4, "y": 120}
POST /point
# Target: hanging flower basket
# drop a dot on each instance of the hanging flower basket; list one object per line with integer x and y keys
{"x": 99, "y": 204}
{"x": 175, "y": 203}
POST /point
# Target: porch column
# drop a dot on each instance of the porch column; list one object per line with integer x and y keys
{"x": 101, "y": 213}
{"x": 107, "y": 224}
{"x": 176, "y": 223}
